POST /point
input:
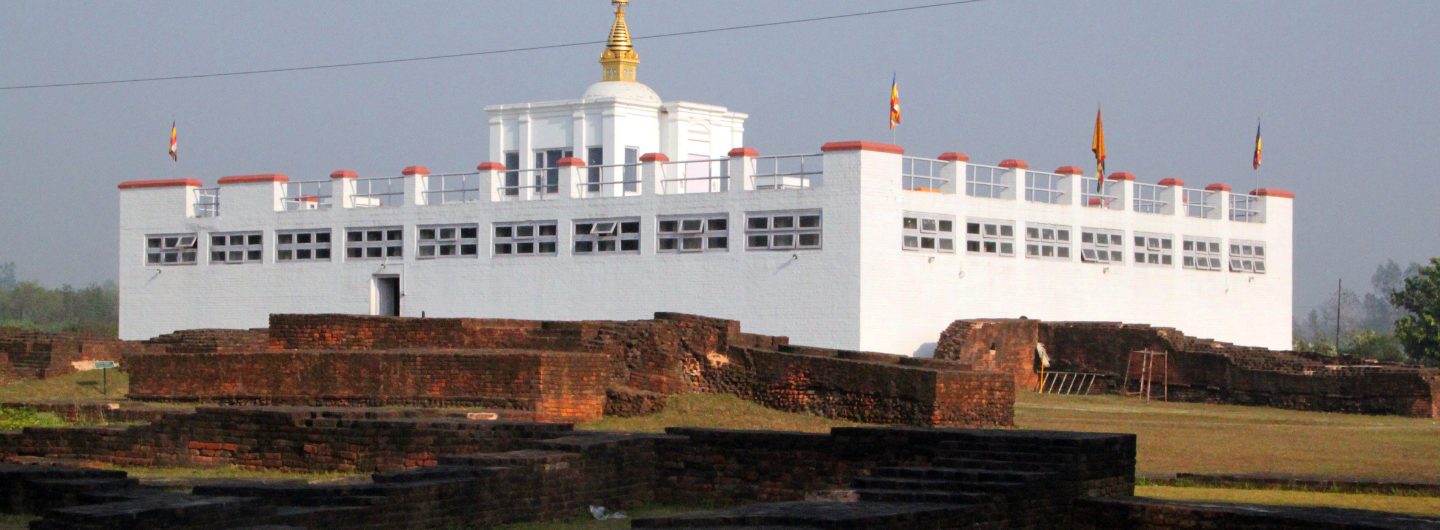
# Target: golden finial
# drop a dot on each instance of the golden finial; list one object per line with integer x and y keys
{"x": 619, "y": 60}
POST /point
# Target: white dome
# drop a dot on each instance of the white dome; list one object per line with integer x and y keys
{"x": 622, "y": 90}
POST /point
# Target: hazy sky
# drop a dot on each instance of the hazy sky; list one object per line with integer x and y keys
{"x": 1349, "y": 93}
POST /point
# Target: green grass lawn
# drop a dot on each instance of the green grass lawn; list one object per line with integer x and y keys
{"x": 1422, "y": 506}
{"x": 1201, "y": 438}
{"x": 231, "y": 472}
{"x": 1173, "y": 438}
{"x": 588, "y": 522}
{"x": 718, "y": 411}
{"x": 78, "y": 387}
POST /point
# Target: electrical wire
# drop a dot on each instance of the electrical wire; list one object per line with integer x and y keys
{"x": 490, "y": 52}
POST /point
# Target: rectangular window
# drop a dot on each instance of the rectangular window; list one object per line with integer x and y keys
{"x": 632, "y": 170}
{"x": 238, "y": 247}
{"x": 1043, "y": 187}
{"x": 530, "y": 238}
{"x": 448, "y": 241}
{"x": 1099, "y": 245}
{"x": 928, "y": 233}
{"x": 374, "y": 243}
{"x": 1201, "y": 253}
{"x": 1247, "y": 256}
{"x": 594, "y": 157}
{"x": 1154, "y": 249}
{"x": 987, "y": 237}
{"x": 693, "y": 233}
{"x": 788, "y": 230}
{"x": 302, "y": 245}
{"x": 549, "y": 181}
{"x": 512, "y": 178}
{"x": 171, "y": 249}
{"x": 1149, "y": 198}
{"x": 985, "y": 181}
{"x": 1047, "y": 241}
{"x": 607, "y": 236}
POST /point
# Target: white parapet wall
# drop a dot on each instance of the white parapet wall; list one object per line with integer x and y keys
{"x": 854, "y": 282}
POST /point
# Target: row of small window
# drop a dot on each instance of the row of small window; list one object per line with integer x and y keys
{"x": 936, "y": 233}
{"x": 705, "y": 233}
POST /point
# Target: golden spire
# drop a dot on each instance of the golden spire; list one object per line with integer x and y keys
{"x": 619, "y": 60}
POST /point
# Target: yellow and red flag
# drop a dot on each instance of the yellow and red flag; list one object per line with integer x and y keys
{"x": 1257, "y": 145}
{"x": 894, "y": 102}
{"x": 1097, "y": 145}
{"x": 174, "y": 134}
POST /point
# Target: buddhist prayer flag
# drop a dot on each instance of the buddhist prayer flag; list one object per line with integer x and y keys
{"x": 174, "y": 155}
{"x": 1098, "y": 147}
{"x": 1257, "y": 145}
{"x": 894, "y": 102}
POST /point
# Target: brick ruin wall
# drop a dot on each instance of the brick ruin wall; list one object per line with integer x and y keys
{"x": 710, "y": 466}
{"x": 288, "y": 439}
{"x": 571, "y": 371}
{"x": 449, "y": 472}
{"x": 26, "y": 354}
{"x": 555, "y": 387}
{"x": 1198, "y": 370}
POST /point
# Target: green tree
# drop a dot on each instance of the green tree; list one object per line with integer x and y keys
{"x": 1419, "y": 330}
{"x": 7, "y": 275}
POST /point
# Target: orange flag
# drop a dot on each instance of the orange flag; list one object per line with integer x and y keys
{"x": 1098, "y": 147}
{"x": 1257, "y": 145}
{"x": 174, "y": 155}
{"x": 894, "y": 101}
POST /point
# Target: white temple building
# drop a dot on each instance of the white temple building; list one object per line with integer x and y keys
{"x": 618, "y": 204}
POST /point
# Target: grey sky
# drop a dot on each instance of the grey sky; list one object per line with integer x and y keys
{"x": 1349, "y": 92}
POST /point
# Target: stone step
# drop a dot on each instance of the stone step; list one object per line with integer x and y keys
{"x": 998, "y": 465}
{"x": 976, "y": 486}
{"x": 925, "y": 496}
{"x": 156, "y": 512}
{"x": 1011, "y": 456}
{"x": 823, "y": 515}
{"x": 958, "y": 473}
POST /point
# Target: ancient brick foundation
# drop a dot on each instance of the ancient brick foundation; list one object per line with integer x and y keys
{"x": 553, "y": 386}
{"x": 1198, "y": 370}
{"x": 440, "y": 472}
{"x": 562, "y": 371}
{"x": 449, "y": 472}
{"x": 295, "y": 439}
{"x": 26, "y": 354}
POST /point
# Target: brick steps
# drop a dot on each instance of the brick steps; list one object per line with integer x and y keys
{"x": 999, "y": 465}
{"x": 965, "y": 486}
{"x": 925, "y": 496}
{"x": 826, "y": 515}
{"x": 960, "y": 473}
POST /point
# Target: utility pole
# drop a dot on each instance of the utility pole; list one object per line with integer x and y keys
{"x": 1339, "y": 299}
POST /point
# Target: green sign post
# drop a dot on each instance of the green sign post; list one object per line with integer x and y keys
{"x": 105, "y": 367}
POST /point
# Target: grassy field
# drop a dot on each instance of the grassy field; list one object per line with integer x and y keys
{"x": 1199, "y": 438}
{"x": 79, "y": 387}
{"x": 589, "y": 523}
{"x": 718, "y": 411}
{"x": 1423, "y": 506}
{"x": 1173, "y": 438}
{"x": 231, "y": 472}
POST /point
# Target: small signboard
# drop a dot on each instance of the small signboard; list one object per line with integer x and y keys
{"x": 104, "y": 364}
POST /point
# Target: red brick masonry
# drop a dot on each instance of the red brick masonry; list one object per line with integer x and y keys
{"x": 560, "y": 371}
{"x": 1199, "y": 370}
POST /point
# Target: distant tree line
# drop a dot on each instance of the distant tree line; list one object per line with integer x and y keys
{"x": 1398, "y": 320}
{"x": 93, "y": 309}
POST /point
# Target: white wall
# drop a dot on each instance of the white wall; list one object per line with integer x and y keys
{"x": 907, "y": 296}
{"x": 813, "y": 299}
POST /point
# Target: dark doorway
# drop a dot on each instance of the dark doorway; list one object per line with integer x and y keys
{"x": 387, "y": 296}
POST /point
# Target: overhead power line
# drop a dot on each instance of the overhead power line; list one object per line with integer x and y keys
{"x": 490, "y": 52}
